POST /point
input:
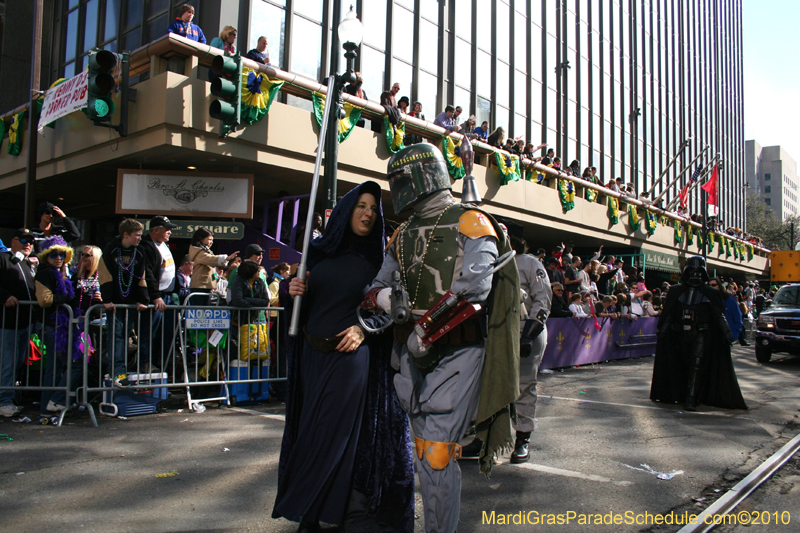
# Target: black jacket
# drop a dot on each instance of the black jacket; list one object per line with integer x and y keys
{"x": 17, "y": 281}
{"x": 152, "y": 267}
{"x": 109, "y": 275}
{"x": 242, "y": 295}
{"x": 560, "y": 308}
{"x": 68, "y": 230}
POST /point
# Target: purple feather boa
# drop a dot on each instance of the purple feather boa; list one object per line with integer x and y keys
{"x": 61, "y": 316}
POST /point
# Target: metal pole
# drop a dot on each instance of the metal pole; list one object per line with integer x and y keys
{"x": 29, "y": 213}
{"x": 123, "y": 94}
{"x": 664, "y": 172}
{"x": 705, "y": 225}
{"x": 703, "y": 174}
{"x": 301, "y": 269}
{"x": 678, "y": 177}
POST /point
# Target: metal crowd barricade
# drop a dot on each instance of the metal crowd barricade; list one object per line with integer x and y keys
{"x": 39, "y": 356}
{"x": 202, "y": 349}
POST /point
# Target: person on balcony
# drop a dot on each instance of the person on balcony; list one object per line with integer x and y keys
{"x": 260, "y": 54}
{"x": 225, "y": 40}
{"x": 183, "y": 25}
{"x": 446, "y": 119}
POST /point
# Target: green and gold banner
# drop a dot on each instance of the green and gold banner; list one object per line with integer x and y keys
{"x": 15, "y": 133}
{"x": 749, "y": 252}
{"x": 650, "y": 223}
{"x": 258, "y": 93}
{"x": 455, "y": 166}
{"x": 613, "y": 210}
{"x": 591, "y": 195}
{"x": 727, "y": 243}
{"x": 633, "y": 217}
{"x": 689, "y": 235}
{"x": 352, "y": 114}
{"x": 394, "y": 136}
{"x": 711, "y": 240}
{"x": 508, "y": 166}
{"x": 566, "y": 193}
{"x": 678, "y": 230}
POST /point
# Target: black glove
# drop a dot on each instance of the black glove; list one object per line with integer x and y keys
{"x": 532, "y": 328}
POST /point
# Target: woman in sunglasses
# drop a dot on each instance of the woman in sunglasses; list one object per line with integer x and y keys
{"x": 48, "y": 215}
{"x": 53, "y": 288}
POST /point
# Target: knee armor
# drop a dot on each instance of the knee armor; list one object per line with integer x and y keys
{"x": 438, "y": 454}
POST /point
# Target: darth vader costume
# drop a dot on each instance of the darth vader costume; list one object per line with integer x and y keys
{"x": 693, "y": 362}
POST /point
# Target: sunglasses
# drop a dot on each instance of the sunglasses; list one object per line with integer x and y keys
{"x": 57, "y": 255}
{"x": 84, "y": 255}
{"x": 24, "y": 240}
{"x": 713, "y": 285}
{"x": 48, "y": 212}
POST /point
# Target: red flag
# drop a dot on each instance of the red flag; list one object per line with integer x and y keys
{"x": 683, "y": 195}
{"x": 712, "y": 188}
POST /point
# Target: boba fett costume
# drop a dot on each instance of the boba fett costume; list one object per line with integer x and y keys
{"x": 471, "y": 374}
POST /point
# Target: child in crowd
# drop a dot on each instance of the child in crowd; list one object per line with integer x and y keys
{"x": 576, "y": 307}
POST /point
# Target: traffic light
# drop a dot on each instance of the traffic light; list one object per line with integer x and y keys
{"x": 99, "y": 105}
{"x": 227, "y": 87}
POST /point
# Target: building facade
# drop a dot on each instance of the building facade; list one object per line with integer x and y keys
{"x": 772, "y": 173}
{"x": 615, "y": 84}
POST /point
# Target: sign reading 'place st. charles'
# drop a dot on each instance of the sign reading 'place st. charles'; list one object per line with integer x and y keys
{"x": 184, "y": 193}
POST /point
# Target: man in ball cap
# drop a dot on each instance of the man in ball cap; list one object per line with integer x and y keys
{"x": 466, "y": 375}
{"x": 160, "y": 275}
{"x": 16, "y": 284}
{"x": 48, "y": 213}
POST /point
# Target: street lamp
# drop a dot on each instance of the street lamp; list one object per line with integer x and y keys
{"x": 350, "y": 34}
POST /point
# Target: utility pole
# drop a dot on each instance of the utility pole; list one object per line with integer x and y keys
{"x": 29, "y": 213}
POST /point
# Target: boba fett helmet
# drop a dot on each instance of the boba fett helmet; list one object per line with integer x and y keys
{"x": 414, "y": 173}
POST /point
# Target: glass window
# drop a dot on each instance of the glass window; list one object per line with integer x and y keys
{"x": 484, "y": 112}
{"x": 406, "y": 3}
{"x": 430, "y": 10}
{"x": 112, "y": 18}
{"x": 502, "y": 83}
{"x": 402, "y": 73}
{"x": 502, "y": 25}
{"x": 429, "y": 45}
{"x": 520, "y": 92}
{"x": 552, "y": 105}
{"x": 375, "y": 20}
{"x": 501, "y": 117}
{"x": 427, "y": 94}
{"x": 133, "y": 15}
{"x": 156, "y": 27}
{"x": 550, "y": 17}
{"x": 597, "y": 81}
{"x": 550, "y": 67}
{"x": 462, "y": 99}
{"x": 154, "y": 7}
{"x": 403, "y": 27}
{"x": 269, "y": 21}
{"x": 463, "y": 61}
{"x": 464, "y": 19}
{"x": 72, "y": 36}
{"x": 306, "y": 47}
{"x": 536, "y": 11}
{"x": 313, "y": 9}
{"x": 484, "y": 74}
{"x": 132, "y": 40}
{"x": 521, "y": 42}
{"x": 536, "y": 101}
{"x": 767, "y": 176}
{"x": 373, "y": 65}
{"x": 484, "y": 16}
{"x": 90, "y": 33}
{"x": 72, "y": 3}
{"x": 536, "y": 52}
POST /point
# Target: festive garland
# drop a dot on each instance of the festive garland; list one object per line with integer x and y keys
{"x": 678, "y": 231}
{"x": 633, "y": 218}
{"x": 613, "y": 210}
{"x": 650, "y": 223}
{"x": 258, "y": 94}
{"x": 689, "y": 235}
{"x": 452, "y": 157}
{"x": 566, "y": 193}
{"x": 394, "y": 136}
{"x": 508, "y": 165}
{"x": 352, "y": 114}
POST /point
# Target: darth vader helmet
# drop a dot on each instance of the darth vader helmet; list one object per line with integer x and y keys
{"x": 414, "y": 173}
{"x": 695, "y": 273}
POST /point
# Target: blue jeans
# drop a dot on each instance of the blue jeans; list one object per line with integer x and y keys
{"x": 14, "y": 345}
{"x": 119, "y": 325}
{"x": 55, "y": 374}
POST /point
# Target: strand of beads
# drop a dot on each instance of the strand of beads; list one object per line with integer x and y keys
{"x": 125, "y": 288}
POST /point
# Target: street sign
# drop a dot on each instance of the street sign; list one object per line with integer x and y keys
{"x": 208, "y": 319}
{"x": 232, "y": 231}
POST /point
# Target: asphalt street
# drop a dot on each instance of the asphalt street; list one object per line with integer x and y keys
{"x": 600, "y": 452}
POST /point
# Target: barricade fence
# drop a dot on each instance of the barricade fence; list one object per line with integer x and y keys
{"x": 127, "y": 357}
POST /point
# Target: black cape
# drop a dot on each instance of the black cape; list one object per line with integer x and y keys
{"x": 719, "y": 387}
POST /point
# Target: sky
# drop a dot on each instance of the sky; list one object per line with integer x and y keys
{"x": 772, "y": 73}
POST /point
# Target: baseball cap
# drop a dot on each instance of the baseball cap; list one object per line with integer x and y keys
{"x": 24, "y": 233}
{"x": 162, "y": 221}
{"x": 252, "y": 249}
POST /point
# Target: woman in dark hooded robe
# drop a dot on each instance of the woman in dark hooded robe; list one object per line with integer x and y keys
{"x": 346, "y": 449}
